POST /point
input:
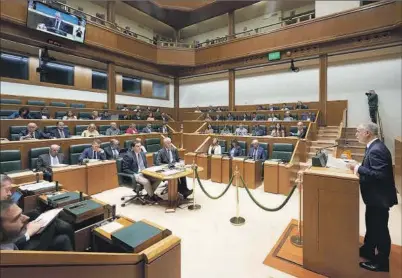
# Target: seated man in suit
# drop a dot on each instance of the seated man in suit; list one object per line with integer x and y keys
{"x": 301, "y": 132}
{"x": 17, "y": 233}
{"x": 256, "y": 152}
{"x": 93, "y": 152}
{"x": 137, "y": 116}
{"x": 287, "y": 117}
{"x": 30, "y": 239}
{"x": 164, "y": 129}
{"x": 32, "y": 132}
{"x": 112, "y": 130}
{"x": 113, "y": 150}
{"x": 241, "y": 131}
{"x": 60, "y": 131}
{"x": 134, "y": 161}
{"x": 138, "y": 140}
{"x": 46, "y": 161}
{"x": 147, "y": 129}
{"x": 169, "y": 155}
{"x": 164, "y": 117}
{"x": 258, "y": 131}
{"x": 106, "y": 116}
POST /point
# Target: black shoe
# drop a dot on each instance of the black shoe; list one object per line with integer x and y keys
{"x": 149, "y": 199}
{"x": 155, "y": 198}
{"x": 187, "y": 193}
{"x": 374, "y": 266}
{"x": 365, "y": 253}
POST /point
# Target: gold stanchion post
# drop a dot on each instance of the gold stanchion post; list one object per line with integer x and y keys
{"x": 194, "y": 206}
{"x": 297, "y": 240}
{"x": 237, "y": 220}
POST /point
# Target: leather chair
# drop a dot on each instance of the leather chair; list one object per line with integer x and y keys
{"x": 84, "y": 115}
{"x": 127, "y": 144}
{"x": 60, "y": 114}
{"x": 34, "y": 154}
{"x": 77, "y": 105}
{"x": 265, "y": 146}
{"x": 104, "y": 145}
{"x": 35, "y": 114}
{"x": 14, "y": 132}
{"x": 10, "y": 161}
{"x": 152, "y": 144}
{"x": 222, "y": 143}
{"x": 243, "y": 147}
{"x": 75, "y": 152}
{"x": 261, "y": 117}
{"x": 102, "y": 129}
{"x": 36, "y": 102}
{"x": 4, "y": 114}
{"x": 123, "y": 128}
{"x": 79, "y": 129}
{"x": 10, "y": 101}
{"x": 154, "y": 156}
{"x": 282, "y": 151}
{"x": 141, "y": 127}
{"x": 58, "y": 104}
{"x": 49, "y": 128}
{"x": 156, "y": 127}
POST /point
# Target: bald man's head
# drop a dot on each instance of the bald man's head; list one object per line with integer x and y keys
{"x": 54, "y": 150}
{"x": 32, "y": 127}
{"x": 167, "y": 142}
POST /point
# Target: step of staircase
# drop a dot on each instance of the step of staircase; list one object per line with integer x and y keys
{"x": 316, "y": 148}
{"x": 326, "y": 137}
{"x": 322, "y": 143}
{"x": 332, "y": 132}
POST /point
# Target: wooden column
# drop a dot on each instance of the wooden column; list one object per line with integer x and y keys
{"x": 111, "y": 11}
{"x": 111, "y": 86}
{"x": 323, "y": 89}
{"x": 176, "y": 99}
{"x": 231, "y": 24}
{"x": 232, "y": 89}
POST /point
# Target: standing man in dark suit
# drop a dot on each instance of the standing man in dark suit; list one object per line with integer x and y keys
{"x": 134, "y": 161}
{"x": 113, "y": 150}
{"x": 377, "y": 186}
{"x": 169, "y": 155}
{"x": 60, "y": 131}
{"x": 93, "y": 152}
{"x": 46, "y": 161}
{"x": 256, "y": 152}
{"x": 32, "y": 132}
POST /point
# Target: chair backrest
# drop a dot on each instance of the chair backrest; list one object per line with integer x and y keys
{"x": 260, "y": 117}
{"x": 36, "y": 102}
{"x": 127, "y": 144}
{"x": 58, "y": 104}
{"x": 118, "y": 165}
{"x": 154, "y": 155}
{"x": 293, "y": 129}
{"x": 222, "y": 143}
{"x": 77, "y": 105}
{"x": 35, "y": 153}
{"x": 35, "y": 114}
{"x": 104, "y": 145}
{"x": 265, "y": 146}
{"x": 60, "y": 114}
{"x": 102, "y": 129}
{"x": 10, "y": 101}
{"x": 49, "y": 128}
{"x": 79, "y": 129}
{"x": 84, "y": 115}
{"x": 282, "y": 151}
{"x": 242, "y": 145}
{"x": 10, "y": 161}
{"x": 14, "y": 132}
{"x": 156, "y": 127}
{"x": 140, "y": 128}
{"x": 123, "y": 128}
{"x": 153, "y": 144}
{"x": 75, "y": 152}
{"x": 6, "y": 113}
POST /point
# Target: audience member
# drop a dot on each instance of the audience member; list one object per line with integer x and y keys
{"x": 137, "y": 116}
{"x": 60, "y": 131}
{"x": 244, "y": 117}
{"x": 230, "y": 117}
{"x": 241, "y": 131}
{"x": 137, "y": 109}
{"x": 209, "y": 129}
{"x": 235, "y": 149}
{"x": 215, "y": 148}
{"x": 46, "y": 161}
{"x": 32, "y": 132}
{"x": 271, "y": 107}
{"x": 95, "y": 116}
{"x": 113, "y": 150}
{"x": 218, "y": 118}
{"x": 90, "y": 131}
{"x": 106, "y": 116}
{"x": 69, "y": 116}
{"x": 208, "y": 117}
{"x": 211, "y": 109}
{"x": 287, "y": 117}
{"x": 150, "y": 117}
{"x": 139, "y": 140}
{"x": 301, "y": 132}
{"x": 299, "y": 105}
{"x": 164, "y": 117}
{"x": 169, "y": 155}
{"x": 124, "y": 108}
{"x": 225, "y": 130}
{"x": 112, "y": 130}
{"x": 22, "y": 113}
{"x": 93, "y": 152}
{"x": 147, "y": 129}
{"x": 256, "y": 152}
{"x": 132, "y": 129}
{"x": 278, "y": 131}
{"x": 134, "y": 161}
{"x": 284, "y": 107}
{"x": 254, "y": 117}
{"x": 164, "y": 129}
{"x": 43, "y": 114}
{"x": 258, "y": 131}
{"x": 272, "y": 118}
{"x": 218, "y": 109}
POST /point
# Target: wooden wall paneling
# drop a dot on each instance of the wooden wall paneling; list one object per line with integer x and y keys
{"x": 146, "y": 88}
{"x": 335, "y": 111}
{"x": 323, "y": 88}
{"x": 191, "y": 127}
{"x": 119, "y": 83}
{"x": 176, "y": 97}
{"x": 14, "y": 10}
{"x": 111, "y": 85}
{"x": 175, "y": 56}
{"x": 33, "y": 63}
{"x": 82, "y": 78}
{"x": 232, "y": 89}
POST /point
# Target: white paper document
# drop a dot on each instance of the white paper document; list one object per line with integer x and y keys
{"x": 336, "y": 163}
{"x": 59, "y": 165}
{"x": 111, "y": 227}
{"x": 45, "y": 218}
{"x": 37, "y": 186}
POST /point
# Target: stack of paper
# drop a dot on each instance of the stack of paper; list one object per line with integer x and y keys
{"x": 47, "y": 217}
{"x": 38, "y": 186}
{"x": 111, "y": 227}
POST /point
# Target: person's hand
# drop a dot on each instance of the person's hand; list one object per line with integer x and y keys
{"x": 351, "y": 165}
{"x": 33, "y": 228}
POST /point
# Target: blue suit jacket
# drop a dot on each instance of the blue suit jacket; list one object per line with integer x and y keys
{"x": 55, "y": 133}
{"x": 129, "y": 164}
{"x": 260, "y": 153}
{"x": 88, "y": 153}
{"x": 38, "y": 134}
{"x": 377, "y": 184}
{"x": 237, "y": 151}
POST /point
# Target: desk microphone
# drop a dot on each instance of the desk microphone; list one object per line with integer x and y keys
{"x": 325, "y": 148}
{"x": 57, "y": 186}
{"x": 113, "y": 211}
{"x": 320, "y": 159}
{"x": 81, "y": 196}
{"x": 37, "y": 177}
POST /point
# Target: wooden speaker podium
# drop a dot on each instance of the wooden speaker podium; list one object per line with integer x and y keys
{"x": 331, "y": 222}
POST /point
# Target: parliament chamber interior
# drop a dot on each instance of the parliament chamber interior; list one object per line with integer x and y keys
{"x": 168, "y": 139}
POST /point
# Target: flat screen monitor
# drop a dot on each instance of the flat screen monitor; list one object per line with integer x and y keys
{"x": 56, "y": 22}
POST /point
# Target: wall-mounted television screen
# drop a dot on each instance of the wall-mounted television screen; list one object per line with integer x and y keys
{"x": 53, "y": 21}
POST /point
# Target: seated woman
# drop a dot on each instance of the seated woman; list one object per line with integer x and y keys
{"x": 272, "y": 118}
{"x": 225, "y": 130}
{"x": 44, "y": 114}
{"x": 132, "y": 129}
{"x": 244, "y": 117}
{"x": 69, "y": 116}
{"x": 214, "y": 148}
{"x": 235, "y": 149}
{"x": 208, "y": 117}
{"x": 209, "y": 130}
{"x": 22, "y": 113}
{"x": 230, "y": 117}
{"x": 278, "y": 131}
{"x": 95, "y": 116}
{"x": 150, "y": 117}
{"x": 254, "y": 117}
{"x": 90, "y": 132}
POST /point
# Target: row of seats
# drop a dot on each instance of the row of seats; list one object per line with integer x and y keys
{"x": 218, "y": 129}
{"x": 11, "y": 159}
{"x": 42, "y": 103}
{"x": 15, "y": 130}
{"x": 264, "y": 117}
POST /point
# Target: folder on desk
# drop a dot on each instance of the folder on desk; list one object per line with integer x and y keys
{"x": 137, "y": 237}
{"x": 63, "y": 199}
{"x": 81, "y": 211}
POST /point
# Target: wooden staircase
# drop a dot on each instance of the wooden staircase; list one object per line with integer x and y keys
{"x": 350, "y": 143}
{"x": 326, "y": 137}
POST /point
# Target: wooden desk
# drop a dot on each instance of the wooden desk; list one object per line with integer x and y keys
{"x": 271, "y": 176}
{"x": 204, "y": 161}
{"x": 73, "y": 177}
{"x": 331, "y": 222}
{"x": 226, "y": 169}
{"x": 101, "y": 176}
{"x": 108, "y": 236}
{"x": 216, "y": 168}
{"x": 239, "y": 163}
{"x": 24, "y": 177}
{"x": 252, "y": 173}
{"x": 190, "y": 158}
{"x": 172, "y": 184}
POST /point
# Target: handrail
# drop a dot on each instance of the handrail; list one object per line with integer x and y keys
{"x": 201, "y": 148}
{"x": 380, "y": 131}
{"x": 199, "y": 129}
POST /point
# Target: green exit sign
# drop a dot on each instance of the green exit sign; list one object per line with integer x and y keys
{"x": 274, "y": 56}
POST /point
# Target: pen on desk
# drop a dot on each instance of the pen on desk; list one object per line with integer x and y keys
{"x": 61, "y": 198}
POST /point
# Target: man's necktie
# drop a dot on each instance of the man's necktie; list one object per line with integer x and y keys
{"x": 255, "y": 154}
{"x": 61, "y": 134}
{"x": 94, "y": 155}
{"x": 140, "y": 162}
{"x": 365, "y": 153}
{"x": 170, "y": 156}
{"x": 115, "y": 153}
